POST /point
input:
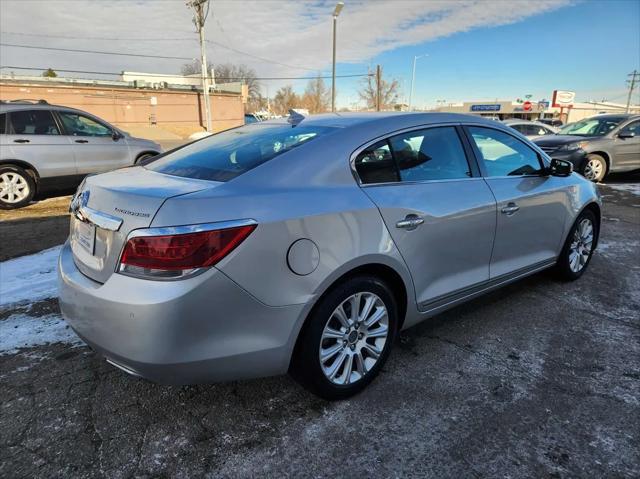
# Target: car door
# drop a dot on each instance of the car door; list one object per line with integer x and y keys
{"x": 627, "y": 146}
{"x": 439, "y": 211}
{"x": 531, "y": 206}
{"x": 34, "y": 136}
{"x": 96, "y": 148}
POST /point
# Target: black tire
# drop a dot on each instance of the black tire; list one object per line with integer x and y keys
{"x": 142, "y": 158}
{"x": 25, "y": 178}
{"x": 306, "y": 366}
{"x": 594, "y": 167}
{"x": 563, "y": 266}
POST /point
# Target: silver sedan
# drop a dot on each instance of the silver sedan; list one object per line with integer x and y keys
{"x": 305, "y": 245}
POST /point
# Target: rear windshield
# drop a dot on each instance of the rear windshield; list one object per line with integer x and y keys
{"x": 224, "y": 156}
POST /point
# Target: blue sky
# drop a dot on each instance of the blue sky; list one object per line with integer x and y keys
{"x": 478, "y": 49}
{"x": 588, "y": 47}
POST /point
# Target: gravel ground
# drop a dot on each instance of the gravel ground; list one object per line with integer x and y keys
{"x": 540, "y": 379}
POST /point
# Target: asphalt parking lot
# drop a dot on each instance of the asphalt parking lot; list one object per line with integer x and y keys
{"x": 540, "y": 379}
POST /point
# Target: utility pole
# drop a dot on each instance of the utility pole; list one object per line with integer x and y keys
{"x": 336, "y": 12}
{"x": 378, "y": 87}
{"x": 201, "y": 10}
{"x": 632, "y": 83}
{"x": 413, "y": 79}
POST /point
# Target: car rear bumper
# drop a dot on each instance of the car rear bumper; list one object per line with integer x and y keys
{"x": 201, "y": 329}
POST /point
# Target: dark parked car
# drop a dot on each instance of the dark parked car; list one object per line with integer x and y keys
{"x": 598, "y": 145}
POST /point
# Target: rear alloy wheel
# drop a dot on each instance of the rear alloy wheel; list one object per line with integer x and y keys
{"x": 16, "y": 187}
{"x": 578, "y": 247}
{"x": 347, "y": 339}
{"x": 594, "y": 168}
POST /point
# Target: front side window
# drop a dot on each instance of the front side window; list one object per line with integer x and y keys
{"x": 430, "y": 154}
{"x": 503, "y": 154}
{"x": 3, "y": 124}
{"x": 33, "y": 122}
{"x": 226, "y": 155}
{"x": 80, "y": 125}
{"x": 597, "y": 126}
{"x": 633, "y": 127}
{"x": 376, "y": 165}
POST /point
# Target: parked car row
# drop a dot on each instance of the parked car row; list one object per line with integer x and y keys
{"x": 306, "y": 244}
{"x": 598, "y": 145}
{"x": 45, "y": 146}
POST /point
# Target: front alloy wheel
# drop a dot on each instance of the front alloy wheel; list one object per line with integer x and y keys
{"x": 594, "y": 168}
{"x": 581, "y": 246}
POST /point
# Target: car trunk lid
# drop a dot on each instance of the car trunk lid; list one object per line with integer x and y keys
{"x": 109, "y": 206}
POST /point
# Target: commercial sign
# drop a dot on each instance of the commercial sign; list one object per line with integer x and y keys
{"x": 562, "y": 98}
{"x": 526, "y": 105}
{"x": 491, "y": 107}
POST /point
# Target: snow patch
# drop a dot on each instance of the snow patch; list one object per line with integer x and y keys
{"x": 633, "y": 188}
{"x": 29, "y": 278}
{"x": 23, "y": 331}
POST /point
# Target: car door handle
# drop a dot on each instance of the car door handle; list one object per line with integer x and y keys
{"x": 21, "y": 140}
{"x": 411, "y": 222}
{"x": 510, "y": 209}
{"x": 82, "y": 141}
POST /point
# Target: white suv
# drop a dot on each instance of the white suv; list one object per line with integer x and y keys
{"x": 45, "y": 146}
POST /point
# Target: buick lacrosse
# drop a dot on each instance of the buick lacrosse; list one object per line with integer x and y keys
{"x": 305, "y": 245}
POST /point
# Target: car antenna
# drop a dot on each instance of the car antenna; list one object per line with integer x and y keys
{"x": 296, "y": 115}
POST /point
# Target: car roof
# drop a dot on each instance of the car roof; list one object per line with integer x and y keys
{"x": 348, "y": 119}
{"x": 19, "y": 106}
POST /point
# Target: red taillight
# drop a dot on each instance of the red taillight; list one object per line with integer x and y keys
{"x": 154, "y": 255}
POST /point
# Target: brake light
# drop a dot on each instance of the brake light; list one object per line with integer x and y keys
{"x": 172, "y": 256}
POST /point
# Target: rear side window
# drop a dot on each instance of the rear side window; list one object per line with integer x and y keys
{"x": 430, "y": 154}
{"x": 33, "y": 122}
{"x": 3, "y": 124}
{"x": 376, "y": 164}
{"x": 226, "y": 155}
{"x": 420, "y": 155}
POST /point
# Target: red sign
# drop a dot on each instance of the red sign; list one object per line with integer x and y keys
{"x": 562, "y": 98}
{"x": 526, "y": 106}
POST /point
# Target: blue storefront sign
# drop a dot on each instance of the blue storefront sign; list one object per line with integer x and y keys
{"x": 492, "y": 107}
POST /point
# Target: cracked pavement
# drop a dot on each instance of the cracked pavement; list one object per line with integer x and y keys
{"x": 539, "y": 379}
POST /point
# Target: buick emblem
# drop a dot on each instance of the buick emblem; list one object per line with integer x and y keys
{"x": 80, "y": 200}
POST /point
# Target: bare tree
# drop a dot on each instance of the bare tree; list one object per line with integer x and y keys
{"x": 285, "y": 99}
{"x": 388, "y": 91}
{"x": 229, "y": 73}
{"x": 317, "y": 97}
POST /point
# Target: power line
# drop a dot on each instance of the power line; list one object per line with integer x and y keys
{"x": 259, "y": 57}
{"x": 94, "y": 52}
{"x": 212, "y": 42}
{"x": 161, "y": 74}
{"x": 111, "y": 39}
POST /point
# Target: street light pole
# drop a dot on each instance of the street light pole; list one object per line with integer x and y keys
{"x": 413, "y": 79}
{"x": 336, "y": 12}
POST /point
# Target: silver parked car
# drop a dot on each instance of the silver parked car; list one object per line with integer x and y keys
{"x": 306, "y": 245}
{"x": 530, "y": 129}
{"x": 45, "y": 147}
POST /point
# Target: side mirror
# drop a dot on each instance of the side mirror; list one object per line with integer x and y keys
{"x": 560, "y": 167}
{"x": 116, "y": 135}
{"x": 626, "y": 134}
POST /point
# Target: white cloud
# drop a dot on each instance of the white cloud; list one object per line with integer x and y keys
{"x": 295, "y": 33}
